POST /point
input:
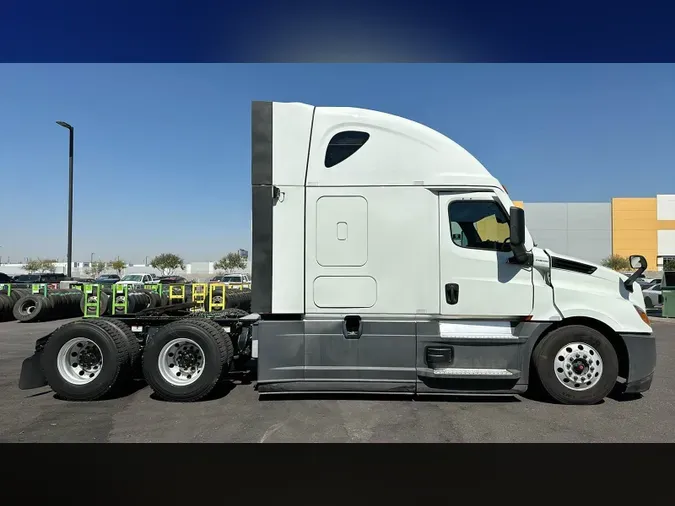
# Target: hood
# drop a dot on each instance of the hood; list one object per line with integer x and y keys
{"x": 574, "y": 264}
{"x": 129, "y": 283}
{"x": 603, "y": 274}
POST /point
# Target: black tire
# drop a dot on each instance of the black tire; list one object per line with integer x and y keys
{"x": 545, "y": 361}
{"x": 116, "y": 360}
{"x": 6, "y": 308}
{"x": 132, "y": 344}
{"x": 232, "y": 299}
{"x": 164, "y": 298}
{"x": 28, "y": 308}
{"x": 103, "y": 303}
{"x": 154, "y": 298}
{"x": 18, "y": 293}
{"x": 218, "y": 352}
{"x": 648, "y": 303}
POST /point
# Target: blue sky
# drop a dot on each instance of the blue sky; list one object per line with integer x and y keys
{"x": 162, "y": 152}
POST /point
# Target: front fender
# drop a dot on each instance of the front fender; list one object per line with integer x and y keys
{"x": 590, "y": 313}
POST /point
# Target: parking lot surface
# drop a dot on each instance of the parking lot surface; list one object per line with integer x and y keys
{"x": 235, "y": 413}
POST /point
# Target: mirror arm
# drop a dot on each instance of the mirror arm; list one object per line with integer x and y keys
{"x": 628, "y": 284}
{"x": 521, "y": 256}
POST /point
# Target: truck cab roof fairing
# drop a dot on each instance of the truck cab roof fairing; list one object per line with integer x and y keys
{"x": 399, "y": 151}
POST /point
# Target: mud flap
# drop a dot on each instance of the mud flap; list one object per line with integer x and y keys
{"x": 31, "y": 374}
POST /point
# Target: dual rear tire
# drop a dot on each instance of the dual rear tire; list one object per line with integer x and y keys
{"x": 184, "y": 361}
{"x": 91, "y": 359}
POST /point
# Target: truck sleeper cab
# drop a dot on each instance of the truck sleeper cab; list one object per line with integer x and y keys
{"x": 388, "y": 259}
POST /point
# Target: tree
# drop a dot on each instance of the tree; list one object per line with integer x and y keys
{"x": 616, "y": 262}
{"x": 669, "y": 264}
{"x": 96, "y": 268}
{"x": 167, "y": 263}
{"x": 31, "y": 266}
{"x": 47, "y": 265}
{"x": 231, "y": 261}
{"x": 39, "y": 265}
{"x": 118, "y": 265}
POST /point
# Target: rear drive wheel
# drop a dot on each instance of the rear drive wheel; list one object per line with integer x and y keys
{"x": 576, "y": 365}
{"x": 85, "y": 360}
{"x": 185, "y": 360}
{"x": 132, "y": 342}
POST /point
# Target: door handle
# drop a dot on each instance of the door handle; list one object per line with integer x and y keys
{"x": 352, "y": 327}
{"x": 452, "y": 293}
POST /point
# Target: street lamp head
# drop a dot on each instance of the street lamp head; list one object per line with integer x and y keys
{"x": 64, "y": 125}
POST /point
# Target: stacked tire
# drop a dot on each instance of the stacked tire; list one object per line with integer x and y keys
{"x": 7, "y": 302}
{"x": 103, "y": 301}
{"x": 58, "y": 304}
{"x": 239, "y": 299}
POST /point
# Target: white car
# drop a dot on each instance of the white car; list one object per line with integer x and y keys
{"x": 653, "y": 296}
{"x": 138, "y": 280}
{"x": 234, "y": 280}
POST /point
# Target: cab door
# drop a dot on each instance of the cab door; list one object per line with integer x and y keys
{"x": 477, "y": 279}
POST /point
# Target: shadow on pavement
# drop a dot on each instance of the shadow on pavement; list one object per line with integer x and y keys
{"x": 131, "y": 389}
{"x": 221, "y": 390}
{"x": 387, "y": 397}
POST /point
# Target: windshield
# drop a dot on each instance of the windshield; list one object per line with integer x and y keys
{"x": 231, "y": 279}
{"x": 133, "y": 277}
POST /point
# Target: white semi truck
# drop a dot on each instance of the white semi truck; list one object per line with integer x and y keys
{"x": 386, "y": 259}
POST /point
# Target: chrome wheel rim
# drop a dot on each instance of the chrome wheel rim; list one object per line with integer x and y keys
{"x": 578, "y": 366}
{"x": 79, "y": 361}
{"x": 181, "y": 362}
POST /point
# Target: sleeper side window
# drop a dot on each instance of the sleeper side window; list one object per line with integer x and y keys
{"x": 479, "y": 224}
{"x": 343, "y": 145}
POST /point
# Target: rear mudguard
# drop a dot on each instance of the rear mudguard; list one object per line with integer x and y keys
{"x": 31, "y": 371}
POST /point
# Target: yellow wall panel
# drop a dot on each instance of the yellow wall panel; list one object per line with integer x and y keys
{"x": 634, "y": 227}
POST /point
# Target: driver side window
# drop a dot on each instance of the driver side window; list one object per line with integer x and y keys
{"x": 479, "y": 224}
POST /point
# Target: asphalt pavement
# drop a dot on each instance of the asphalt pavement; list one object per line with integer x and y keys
{"x": 235, "y": 413}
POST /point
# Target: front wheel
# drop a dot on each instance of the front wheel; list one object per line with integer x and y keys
{"x": 648, "y": 303}
{"x": 576, "y": 365}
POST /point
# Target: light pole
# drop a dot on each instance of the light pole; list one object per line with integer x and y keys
{"x": 71, "y": 131}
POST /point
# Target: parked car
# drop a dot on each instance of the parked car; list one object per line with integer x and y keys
{"x": 84, "y": 280}
{"x": 172, "y": 280}
{"x": 4, "y": 278}
{"x": 646, "y": 282}
{"x": 653, "y": 295}
{"x": 40, "y": 278}
{"x": 107, "y": 279}
{"x": 232, "y": 279}
{"x": 138, "y": 280}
